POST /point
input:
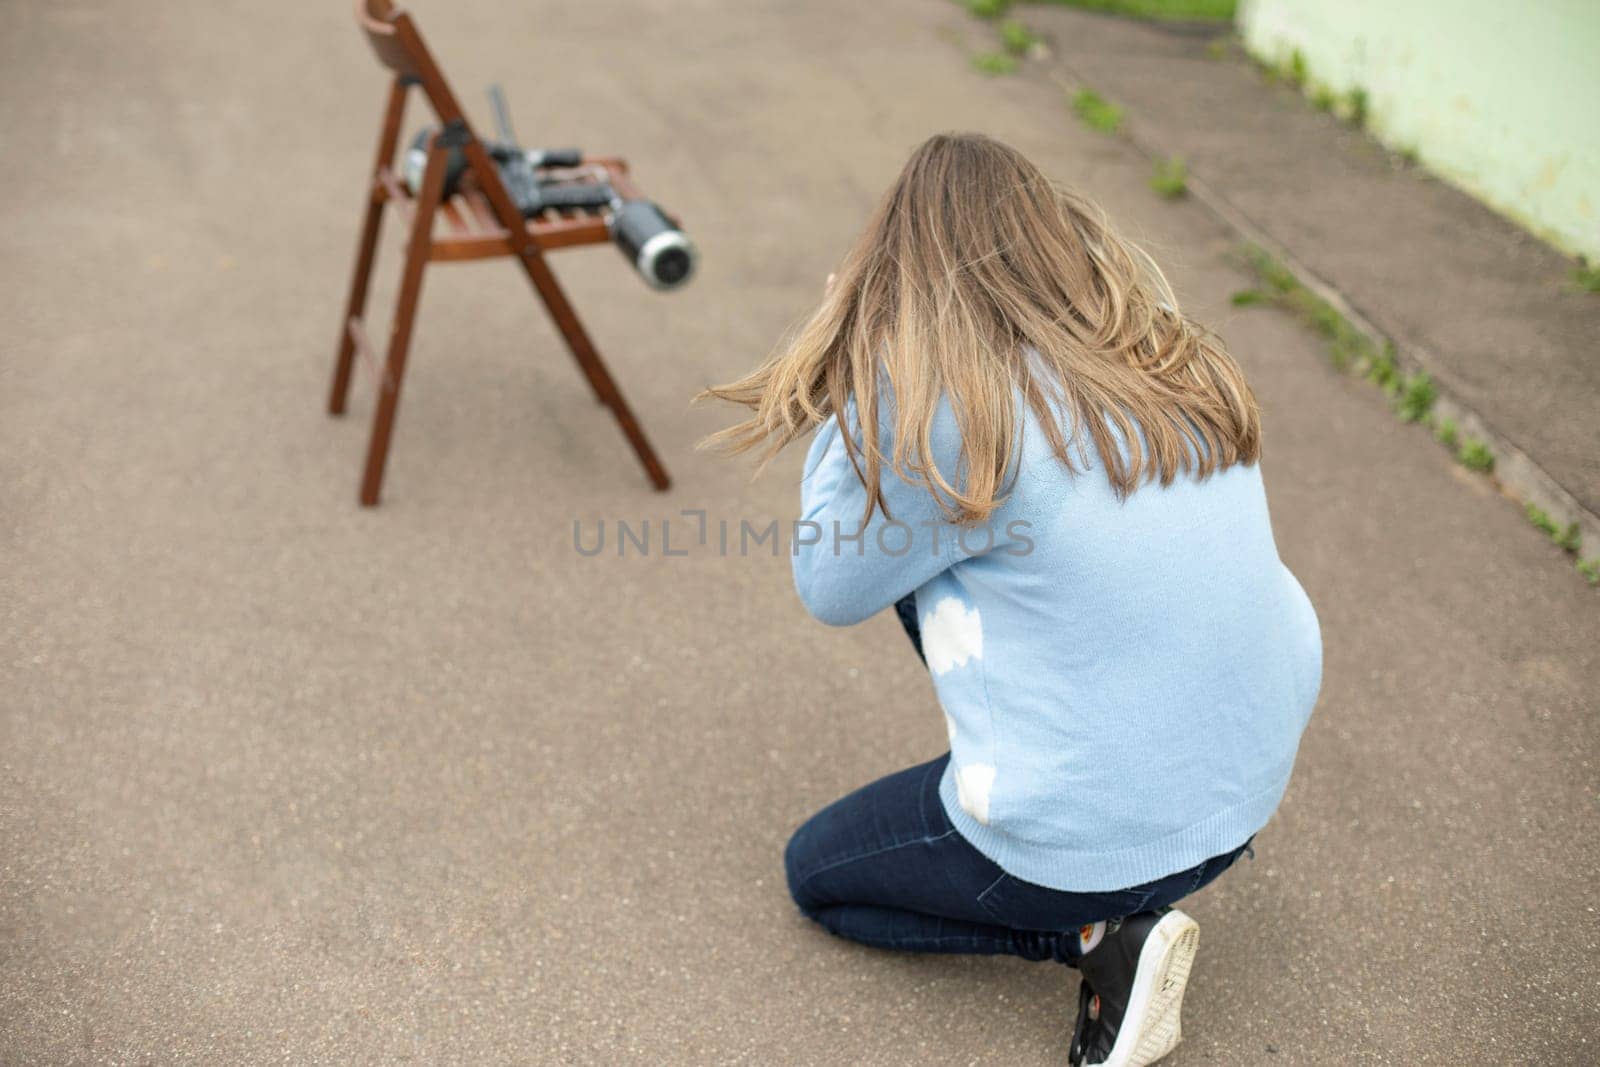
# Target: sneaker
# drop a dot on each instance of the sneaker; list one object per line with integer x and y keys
{"x": 1132, "y": 991}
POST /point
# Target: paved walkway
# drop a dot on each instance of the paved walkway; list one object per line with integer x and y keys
{"x": 283, "y": 781}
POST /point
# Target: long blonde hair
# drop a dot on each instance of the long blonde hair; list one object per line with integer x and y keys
{"x": 972, "y": 259}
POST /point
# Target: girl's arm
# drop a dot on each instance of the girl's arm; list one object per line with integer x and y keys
{"x": 845, "y": 574}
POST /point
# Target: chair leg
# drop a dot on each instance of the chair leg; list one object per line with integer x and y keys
{"x": 389, "y": 387}
{"x": 366, "y": 249}
{"x": 594, "y": 369}
{"x": 394, "y": 365}
{"x": 555, "y": 301}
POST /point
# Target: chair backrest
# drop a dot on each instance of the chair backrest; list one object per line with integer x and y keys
{"x": 398, "y": 45}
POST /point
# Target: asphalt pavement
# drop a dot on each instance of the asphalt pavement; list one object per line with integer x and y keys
{"x": 283, "y": 780}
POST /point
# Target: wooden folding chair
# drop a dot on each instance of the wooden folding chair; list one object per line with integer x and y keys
{"x": 478, "y": 222}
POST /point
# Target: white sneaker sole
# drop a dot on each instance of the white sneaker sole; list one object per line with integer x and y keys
{"x": 1152, "y": 1026}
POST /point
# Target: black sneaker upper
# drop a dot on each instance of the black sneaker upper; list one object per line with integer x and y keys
{"x": 1091, "y": 1041}
{"x": 1107, "y": 986}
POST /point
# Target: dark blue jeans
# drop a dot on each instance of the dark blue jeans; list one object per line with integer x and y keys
{"x": 885, "y": 867}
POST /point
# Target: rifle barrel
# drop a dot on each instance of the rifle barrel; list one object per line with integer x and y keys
{"x": 502, "y": 116}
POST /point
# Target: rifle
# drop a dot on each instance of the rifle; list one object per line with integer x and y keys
{"x": 661, "y": 252}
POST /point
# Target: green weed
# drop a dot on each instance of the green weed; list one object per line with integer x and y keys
{"x": 1294, "y": 72}
{"x": 1171, "y": 177}
{"x": 1382, "y": 370}
{"x": 1570, "y": 538}
{"x": 1567, "y": 538}
{"x": 1417, "y": 394}
{"x": 1590, "y": 569}
{"x": 994, "y": 63}
{"x": 988, "y": 9}
{"x": 1586, "y": 276}
{"x": 1096, "y": 111}
{"x": 1323, "y": 98}
{"x": 1193, "y": 10}
{"x": 1276, "y": 275}
{"x": 1356, "y": 104}
{"x": 1347, "y": 345}
{"x": 1016, "y": 38}
{"x": 1413, "y": 395}
{"x": 1541, "y": 520}
{"x": 1475, "y": 455}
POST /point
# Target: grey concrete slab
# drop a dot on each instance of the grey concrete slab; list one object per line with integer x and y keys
{"x": 282, "y": 780}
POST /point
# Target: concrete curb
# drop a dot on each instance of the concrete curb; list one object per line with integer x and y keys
{"x": 1517, "y": 473}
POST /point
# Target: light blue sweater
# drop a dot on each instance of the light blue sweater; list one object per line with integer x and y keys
{"x": 1125, "y": 682}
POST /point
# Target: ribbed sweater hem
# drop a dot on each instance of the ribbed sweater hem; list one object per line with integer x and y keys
{"x": 1102, "y": 871}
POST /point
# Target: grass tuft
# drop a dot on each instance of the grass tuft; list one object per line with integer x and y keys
{"x": 1447, "y": 433}
{"x": 1475, "y": 455}
{"x": 1356, "y": 104}
{"x": 1586, "y": 276}
{"x": 1590, "y": 569}
{"x": 1188, "y": 10}
{"x": 1347, "y": 346}
{"x": 1382, "y": 370}
{"x": 1541, "y": 519}
{"x": 1568, "y": 537}
{"x": 1171, "y": 177}
{"x": 1417, "y": 394}
{"x": 994, "y": 63}
{"x": 988, "y": 9}
{"x": 1324, "y": 98}
{"x": 1294, "y": 72}
{"x": 1017, "y": 38}
{"x": 1096, "y": 111}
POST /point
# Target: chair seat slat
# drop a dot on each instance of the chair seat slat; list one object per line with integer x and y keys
{"x": 549, "y": 235}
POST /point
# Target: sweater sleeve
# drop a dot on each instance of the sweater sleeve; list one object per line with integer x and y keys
{"x": 845, "y": 573}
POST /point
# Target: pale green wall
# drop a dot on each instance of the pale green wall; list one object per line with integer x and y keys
{"x": 1500, "y": 97}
